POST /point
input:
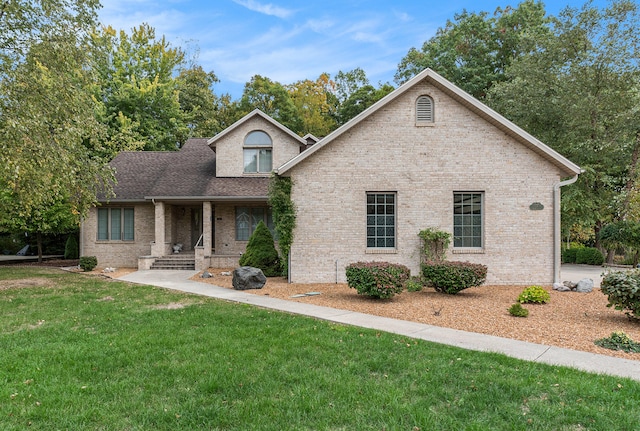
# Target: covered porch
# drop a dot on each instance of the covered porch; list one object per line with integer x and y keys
{"x": 185, "y": 236}
{"x": 200, "y": 234}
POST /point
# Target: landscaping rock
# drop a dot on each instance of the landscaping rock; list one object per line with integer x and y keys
{"x": 206, "y": 274}
{"x": 248, "y": 277}
{"x": 560, "y": 287}
{"x": 570, "y": 284}
{"x": 585, "y": 285}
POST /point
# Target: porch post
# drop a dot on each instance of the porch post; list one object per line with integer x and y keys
{"x": 206, "y": 228}
{"x": 158, "y": 248}
{"x": 203, "y": 252}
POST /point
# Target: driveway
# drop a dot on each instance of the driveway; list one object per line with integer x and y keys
{"x": 575, "y": 273}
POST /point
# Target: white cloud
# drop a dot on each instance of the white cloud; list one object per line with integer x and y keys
{"x": 402, "y": 16}
{"x": 267, "y": 9}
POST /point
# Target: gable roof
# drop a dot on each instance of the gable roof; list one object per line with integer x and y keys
{"x": 256, "y": 113}
{"x": 187, "y": 174}
{"x": 460, "y": 96}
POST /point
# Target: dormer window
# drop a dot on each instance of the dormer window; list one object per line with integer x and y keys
{"x": 424, "y": 111}
{"x": 257, "y": 152}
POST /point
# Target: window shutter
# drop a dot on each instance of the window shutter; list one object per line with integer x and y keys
{"x": 424, "y": 111}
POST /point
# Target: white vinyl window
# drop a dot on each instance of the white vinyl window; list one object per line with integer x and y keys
{"x": 468, "y": 216}
{"x": 424, "y": 110}
{"x": 257, "y": 153}
{"x": 116, "y": 224}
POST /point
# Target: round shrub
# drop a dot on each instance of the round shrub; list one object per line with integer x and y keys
{"x": 518, "y": 310}
{"x": 261, "y": 252}
{"x": 452, "y": 277}
{"x": 377, "y": 279}
{"x": 88, "y": 263}
{"x": 534, "y": 295}
{"x": 623, "y": 291}
{"x": 589, "y": 256}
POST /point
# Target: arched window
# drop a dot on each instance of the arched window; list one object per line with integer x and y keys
{"x": 424, "y": 110}
{"x": 257, "y": 152}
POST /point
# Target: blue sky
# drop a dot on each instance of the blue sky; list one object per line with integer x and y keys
{"x": 288, "y": 41}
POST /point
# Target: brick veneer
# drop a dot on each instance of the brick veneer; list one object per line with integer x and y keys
{"x": 387, "y": 152}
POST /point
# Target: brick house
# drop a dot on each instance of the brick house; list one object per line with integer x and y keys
{"x": 426, "y": 155}
{"x": 208, "y": 197}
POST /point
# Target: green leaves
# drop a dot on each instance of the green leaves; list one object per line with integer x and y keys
{"x": 137, "y": 89}
{"x": 377, "y": 279}
{"x": 284, "y": 214}
{"x": 534, "y": 295}
{"x": 452, "y": 276}
{"x": 475, "y": 49}
{"x": 48, "y": 179}
{"x": 623, "y": 291}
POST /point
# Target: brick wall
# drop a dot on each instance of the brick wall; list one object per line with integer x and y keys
{"x": 120, "y": 253}
{"x": 424, "y": 166}
{"x": 229, "y": 149}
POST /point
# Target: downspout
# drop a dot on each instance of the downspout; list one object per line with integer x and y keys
{"x": 556, "y": 226}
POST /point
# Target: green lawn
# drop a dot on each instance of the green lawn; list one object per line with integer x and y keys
{"x": 78, "y": 352}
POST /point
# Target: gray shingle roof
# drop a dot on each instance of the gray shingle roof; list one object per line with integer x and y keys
{"x": 188, "y": 173}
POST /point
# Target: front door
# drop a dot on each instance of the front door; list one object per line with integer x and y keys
{"x": 196, "y": 226}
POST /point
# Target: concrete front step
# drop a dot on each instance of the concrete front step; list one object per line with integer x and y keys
{"x": 175, "y": 262}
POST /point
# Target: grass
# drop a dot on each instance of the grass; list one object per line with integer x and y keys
{"x": 79, "y": 352}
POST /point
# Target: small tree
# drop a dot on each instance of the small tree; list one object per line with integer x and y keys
{"x": 71, "y": 247}
{"x": 261, "y": 252}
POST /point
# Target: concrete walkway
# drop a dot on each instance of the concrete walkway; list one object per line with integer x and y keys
{"x": 179, "y": 280}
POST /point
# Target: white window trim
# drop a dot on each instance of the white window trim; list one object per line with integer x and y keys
{"x": 257, "y": 148}
{"x": 430, "y": 121}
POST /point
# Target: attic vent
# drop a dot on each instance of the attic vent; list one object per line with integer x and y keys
{"x": 424, "y": 110}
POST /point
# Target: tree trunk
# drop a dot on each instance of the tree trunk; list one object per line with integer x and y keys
{"x": 39, "y": 241}
{"x": 610, "y": 255}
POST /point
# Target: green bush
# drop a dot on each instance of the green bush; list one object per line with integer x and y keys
{"x": 623, "y": 290}
{"x": 71, "y": 248}
{"x": 377, "y": 279}
{"x": 619, "y": 341}
{"x": 534, "y": 295}
{"x": 261, "y": 252}
{"x": 569, "y": 254}
{"x": 452, "y": 277}
{"x": 518, "y": 310}
{"x": 88, "y": 263}
{"x": 589, "y": 256}
{"x": 413, "y": 284}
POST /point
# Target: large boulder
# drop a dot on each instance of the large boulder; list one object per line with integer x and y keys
{"x": 585, "y": 285}
{"x": 248, "y": 277}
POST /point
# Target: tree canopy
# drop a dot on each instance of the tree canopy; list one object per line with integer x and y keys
{"x": 578, "y": 92}
{"x": 475, "y": 49}
{"x": 48, "y": 178}
{"x": 137, "y": 88}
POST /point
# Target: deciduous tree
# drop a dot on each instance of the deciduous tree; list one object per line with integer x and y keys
{"x": 138, "y": 89}
{"x": 273, "y": 99}
{"x": 474, "y": 50}
{"x": 578, "y": 91}
{"x": 48, "y": 178}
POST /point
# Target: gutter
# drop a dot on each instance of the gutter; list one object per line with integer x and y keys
{"x": 556, "y": 226}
